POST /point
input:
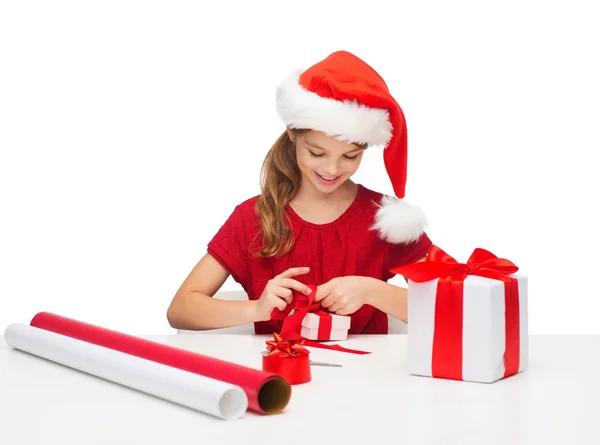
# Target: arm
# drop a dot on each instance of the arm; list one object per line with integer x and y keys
{"x": 345, "y": 295}
{"x": 193, "y": 307}
{"x": 392, "y": 300}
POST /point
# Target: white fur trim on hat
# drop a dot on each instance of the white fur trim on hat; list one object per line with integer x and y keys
{"x": 399, "y": 222}
{"x": 347, "y": 120}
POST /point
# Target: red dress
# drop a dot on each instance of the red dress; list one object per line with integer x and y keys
{"x": 346, "y": 246}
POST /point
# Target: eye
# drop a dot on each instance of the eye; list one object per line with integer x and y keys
{"x": 314, "y": 154}
{"x": 351, "y": 157}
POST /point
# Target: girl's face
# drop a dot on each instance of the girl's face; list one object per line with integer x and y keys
{"x": 325, "y": 162}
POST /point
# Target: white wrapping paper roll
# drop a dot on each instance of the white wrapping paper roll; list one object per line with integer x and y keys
{"x": 210, "y": 396}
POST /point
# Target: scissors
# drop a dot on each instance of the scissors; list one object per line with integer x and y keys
{"x": 335, "y": 365}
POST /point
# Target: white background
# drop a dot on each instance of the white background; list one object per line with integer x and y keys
{"x": 130, "y": 130}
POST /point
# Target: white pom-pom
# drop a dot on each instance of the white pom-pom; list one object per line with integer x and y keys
{"x": 399, "y": 222}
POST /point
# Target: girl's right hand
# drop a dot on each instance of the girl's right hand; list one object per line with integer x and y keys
{"x": 278, "y": 292}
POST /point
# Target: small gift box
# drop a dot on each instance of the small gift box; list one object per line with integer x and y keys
{"x": 287, "y": 358}
{"x": 466, "y": 321}
{"x": 324, "y": 326}
{"x": 304, "y": 318}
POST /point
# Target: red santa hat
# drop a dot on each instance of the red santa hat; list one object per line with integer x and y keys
{"x": 345, "y": 98}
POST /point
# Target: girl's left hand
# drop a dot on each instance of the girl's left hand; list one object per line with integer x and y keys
{"x": 343, "y": 295}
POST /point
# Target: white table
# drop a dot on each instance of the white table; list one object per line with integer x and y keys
{"x": 370, "y": 400}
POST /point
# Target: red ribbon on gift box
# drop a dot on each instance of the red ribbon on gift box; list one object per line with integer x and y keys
{"x": 302, "y": 304}
{"x": 447, "y": 340}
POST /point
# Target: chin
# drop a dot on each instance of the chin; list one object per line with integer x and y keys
{"x": 326, "y": 190}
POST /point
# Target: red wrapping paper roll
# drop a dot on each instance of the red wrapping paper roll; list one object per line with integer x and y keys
{"x": 268, "y": 393}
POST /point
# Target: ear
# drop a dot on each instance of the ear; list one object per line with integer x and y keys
{"x": 291, "y": 135}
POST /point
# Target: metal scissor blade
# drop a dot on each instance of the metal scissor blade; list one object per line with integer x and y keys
{"x": 335, "y": 365}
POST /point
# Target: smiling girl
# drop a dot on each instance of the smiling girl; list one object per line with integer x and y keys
{"x": 311, "y": 224}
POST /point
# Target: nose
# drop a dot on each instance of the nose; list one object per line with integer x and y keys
{"x": 331, "y": 169}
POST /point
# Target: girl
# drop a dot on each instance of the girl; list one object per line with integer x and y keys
{"x": 312, "y": 224}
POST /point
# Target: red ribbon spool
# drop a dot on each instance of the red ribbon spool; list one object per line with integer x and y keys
{"x": 289, "y": 359}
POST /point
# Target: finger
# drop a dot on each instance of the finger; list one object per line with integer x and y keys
{"x": 336, "y": 306}
{"x": 284, "y": 293}
{"x": 322, "y": 291}
{"x": 349, "y": 309}
{"x": 342, "y": 310}
{"x": 293, "y": 272}
{"x": 280, "y": 304}
{"x": 294, "y": 284}
{"x": 328, "y": 301}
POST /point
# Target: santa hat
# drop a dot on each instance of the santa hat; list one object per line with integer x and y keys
{"x": 345, "y": 98}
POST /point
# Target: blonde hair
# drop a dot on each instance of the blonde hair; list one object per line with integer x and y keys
{"x": 280, "y": 180}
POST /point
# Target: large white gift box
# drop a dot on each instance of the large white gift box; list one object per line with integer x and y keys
{"x": 465, "y": 326}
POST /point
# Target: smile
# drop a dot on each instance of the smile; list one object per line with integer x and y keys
{"x": 327, "y": 180}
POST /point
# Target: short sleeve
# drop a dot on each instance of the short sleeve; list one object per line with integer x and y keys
{"x": 229, "y": 246}
{"x": 402, "y": 254}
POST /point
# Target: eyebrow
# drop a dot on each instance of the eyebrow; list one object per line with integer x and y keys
{"x": 312, "y": 144}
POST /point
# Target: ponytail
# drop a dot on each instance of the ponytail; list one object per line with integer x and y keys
{"x": 280, "y": 181}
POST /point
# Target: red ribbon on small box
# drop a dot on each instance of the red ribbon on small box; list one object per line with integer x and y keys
{"x": 301, "y": 305}
{"x": 447, "y": 339}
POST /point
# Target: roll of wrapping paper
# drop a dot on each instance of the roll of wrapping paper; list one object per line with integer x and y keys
{"x": 195, "y": 391}
{"x": 268, "y": 393}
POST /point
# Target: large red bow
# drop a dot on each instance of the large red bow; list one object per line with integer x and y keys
{"x": 439, "y": 264}
{"x": 301, "y": 305}
{"x": 447, "y": 342}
